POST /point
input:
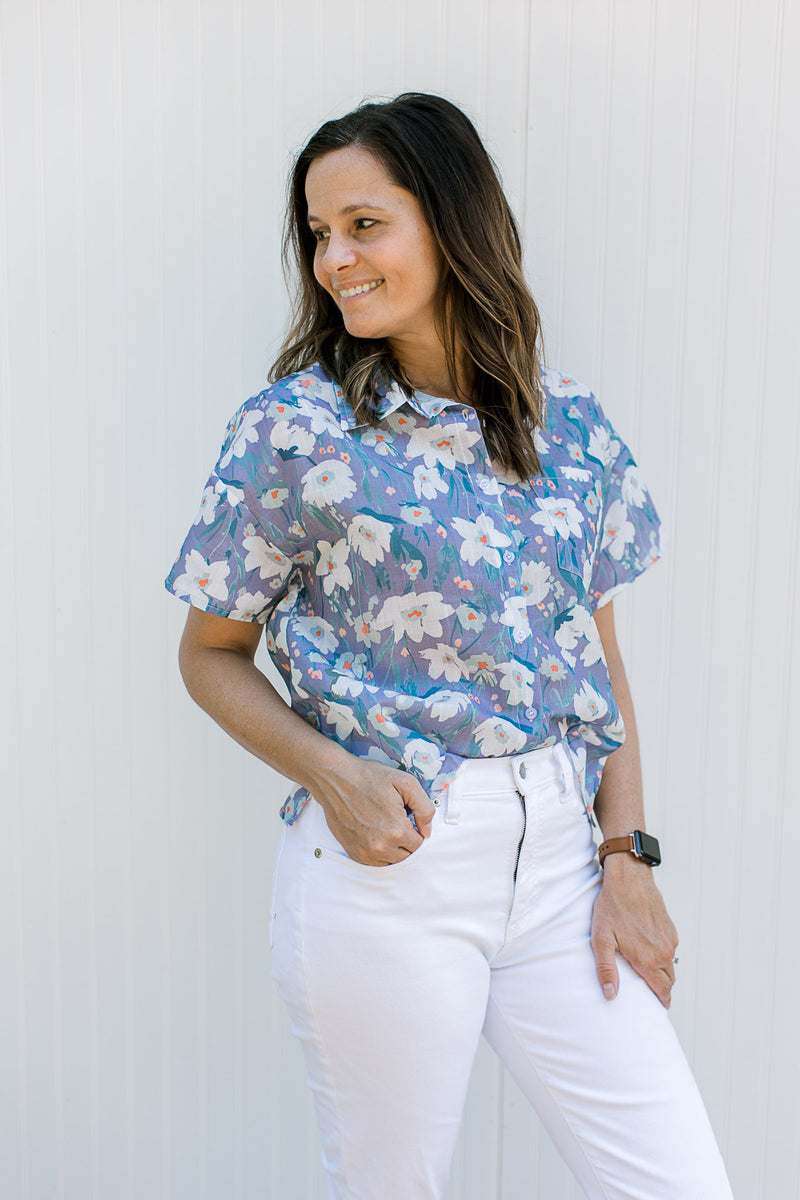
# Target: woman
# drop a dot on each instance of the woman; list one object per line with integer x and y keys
{"x": 433, "y": 526}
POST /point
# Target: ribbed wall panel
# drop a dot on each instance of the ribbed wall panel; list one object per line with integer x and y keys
{"x": 650, "y": 152}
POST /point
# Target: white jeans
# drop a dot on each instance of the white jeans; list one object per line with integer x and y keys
{"x": 390, "y": 975}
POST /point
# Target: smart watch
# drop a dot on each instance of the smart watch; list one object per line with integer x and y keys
{"x": 638, "y": 843}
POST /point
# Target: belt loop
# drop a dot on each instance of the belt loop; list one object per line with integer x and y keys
{"x": 452, "y": 802}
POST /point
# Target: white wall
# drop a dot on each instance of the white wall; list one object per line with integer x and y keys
{"x": 650, "y": 150}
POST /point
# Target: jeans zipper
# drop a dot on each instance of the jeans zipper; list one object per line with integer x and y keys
{"x": 522, "y": 835}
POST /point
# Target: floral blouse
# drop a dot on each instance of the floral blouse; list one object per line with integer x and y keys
{"x": 422, "y": 606}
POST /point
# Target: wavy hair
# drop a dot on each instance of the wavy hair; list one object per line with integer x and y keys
{"x": 429, "y": 147}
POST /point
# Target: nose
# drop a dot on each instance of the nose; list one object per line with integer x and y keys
{"x": 339, "y": 252}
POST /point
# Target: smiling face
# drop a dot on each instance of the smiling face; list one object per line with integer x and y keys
{"x": 375, "y": 254}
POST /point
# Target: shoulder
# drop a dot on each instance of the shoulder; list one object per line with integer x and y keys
{"x": 573, "y": 413}
{"x": 288, "y": 414}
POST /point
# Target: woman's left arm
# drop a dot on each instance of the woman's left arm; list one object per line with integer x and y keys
{"x": 629, "y": 915}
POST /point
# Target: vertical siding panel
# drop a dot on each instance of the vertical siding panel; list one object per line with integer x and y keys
{"x": 779, "y": 1145}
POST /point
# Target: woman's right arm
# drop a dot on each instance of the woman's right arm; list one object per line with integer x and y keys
{"x": 364, "y": 801}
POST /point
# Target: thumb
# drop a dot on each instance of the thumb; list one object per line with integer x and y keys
{"x": 605, "y": 958}
{"x": 422, "y": 807}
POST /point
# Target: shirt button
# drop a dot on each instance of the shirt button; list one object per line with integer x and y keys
{"x": 436, "y": 800}
{"x": 509, "y": 556}
{"x": 531, "y": 712}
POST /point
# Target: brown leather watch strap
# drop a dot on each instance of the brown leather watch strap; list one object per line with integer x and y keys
{"x": 615, "y": 846}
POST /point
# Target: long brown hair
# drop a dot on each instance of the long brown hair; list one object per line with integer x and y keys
{"x": 429, "y": 147}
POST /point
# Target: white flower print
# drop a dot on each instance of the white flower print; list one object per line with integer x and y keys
{"x": 552, "y": 667}
{"x": 274, "y": 497}
{"x": 537, "y": 580}
{"x": 575, "y": 473}
{"x": 515, "y": 615}
{"x": 580, "y": 624}
{"x": 589, "y": 705}
{"x": 323, "y": 421}
{"x": 517, "y": 680}
{"x": 380, "y": 717}
{"x": 413, "y": 568}
{"x": 632, "y": 488}
{"x": 618, "y": 531}
{"x": 482, "y": 667}
{"x": 208, "y": 504}
{"x": 341, "y": 717}
{"x": 328, "y": 483}
{"x": 415, "y": 615}
{"x": 332, "y": 565}
{"x": 292, "y": 437}
{"x": 469, "y": 618}
{"x": 416, "y": 514}
{"x": 496, "y": 736}
{"x": 201, "y": 580}
{"x": 562, "y": 385}
{"x": 444, "y": 705}
{"x": 318, "y": 632}
{"x": 268, "y": 558}
{"x": 369, "y": 537}
{"x": 445, "y": 444}
{"x": 232, "y": 494}
{"x": 422, "y": 756}
{"x": 481, "y": 540}
{"x": 428, "y": 483}
{"x": 378, "y": 440}
{"x": 602, "y": 446}
{"x": 249, "y": 606}
{"x": 244, "y": 432}
{"x": 559, "y": 513}
{"x": 444, "y": 661}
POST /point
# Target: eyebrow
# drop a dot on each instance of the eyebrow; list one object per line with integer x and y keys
{"x": 343, "y": 212}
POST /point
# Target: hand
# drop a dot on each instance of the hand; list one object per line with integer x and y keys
{"x": 365, "y": 805}
{"x": 630, "y": 919}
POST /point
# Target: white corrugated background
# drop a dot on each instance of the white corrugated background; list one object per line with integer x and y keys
{"x": 650, "y": 150}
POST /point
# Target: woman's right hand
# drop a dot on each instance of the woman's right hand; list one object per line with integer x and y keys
{"x": 367, "y": 803}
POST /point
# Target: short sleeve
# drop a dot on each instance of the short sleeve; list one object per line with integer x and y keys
{"x": 629, "y": 539}
{"x": 243, "y": 547}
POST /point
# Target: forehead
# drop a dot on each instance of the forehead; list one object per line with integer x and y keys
{"x": 347, "y": 177}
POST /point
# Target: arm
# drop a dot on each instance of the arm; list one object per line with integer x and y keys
{"x": 365, "y": 802}
{"x": 629, "y": 915}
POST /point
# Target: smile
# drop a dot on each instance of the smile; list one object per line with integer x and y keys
{"x": 346, "y": 293}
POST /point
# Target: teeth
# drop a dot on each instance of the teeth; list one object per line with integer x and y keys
{"x": 357, "y": 291}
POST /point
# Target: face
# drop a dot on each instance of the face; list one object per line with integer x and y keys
{"x": 375, "y": 254}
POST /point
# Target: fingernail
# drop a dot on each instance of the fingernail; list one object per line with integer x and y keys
{"x": 608, "y": 991}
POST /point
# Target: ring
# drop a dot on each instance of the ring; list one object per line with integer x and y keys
{"x": 675, "y": 960}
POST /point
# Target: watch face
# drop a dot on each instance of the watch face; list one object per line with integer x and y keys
{"x": 647, "y": 847}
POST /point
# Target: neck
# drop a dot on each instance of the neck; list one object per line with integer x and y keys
{"x": 426, "y": 370}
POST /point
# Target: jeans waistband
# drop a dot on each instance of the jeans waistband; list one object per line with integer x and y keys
{"x": 545, "y": 766}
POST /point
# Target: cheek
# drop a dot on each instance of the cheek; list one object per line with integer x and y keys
{"x": 320, "y": 274}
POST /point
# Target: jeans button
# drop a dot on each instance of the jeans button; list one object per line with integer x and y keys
{"x": 522, "y": 770}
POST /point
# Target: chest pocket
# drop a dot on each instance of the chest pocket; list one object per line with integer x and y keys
{"x": 573, "y": 515}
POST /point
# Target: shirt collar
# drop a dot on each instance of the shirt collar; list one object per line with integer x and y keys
{"x": 392, "y": 397}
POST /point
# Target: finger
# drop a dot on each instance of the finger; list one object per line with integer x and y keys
{"x": 606, "y": 962}
{"x": 422, "y": 807}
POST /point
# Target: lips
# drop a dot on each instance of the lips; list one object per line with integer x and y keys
{"x": 359, "y": 289}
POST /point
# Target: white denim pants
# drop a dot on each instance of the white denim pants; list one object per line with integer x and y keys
{"x": 390, "y": 975}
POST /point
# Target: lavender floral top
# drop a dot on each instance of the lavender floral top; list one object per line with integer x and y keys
{"x": 422, "y": 606}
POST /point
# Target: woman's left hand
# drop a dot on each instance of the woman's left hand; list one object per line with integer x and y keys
{"x": 630, "y": 919}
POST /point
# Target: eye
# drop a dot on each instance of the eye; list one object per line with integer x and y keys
{"x": 319, "y": 234}
{"x": 365, "y": 222}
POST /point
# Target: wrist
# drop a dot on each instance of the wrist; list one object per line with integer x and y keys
{"x": 328, "y": 760}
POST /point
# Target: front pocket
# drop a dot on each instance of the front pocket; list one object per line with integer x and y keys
{"x": 326, "y": 843}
